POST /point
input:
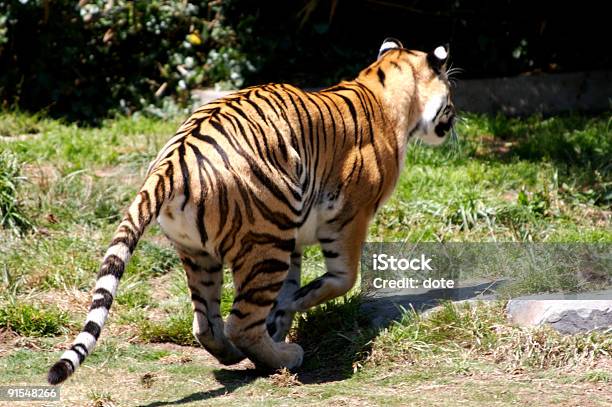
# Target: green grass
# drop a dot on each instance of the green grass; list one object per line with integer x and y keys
{"x": 12, "y": 216}
{"x": 334, "y": 336}
{"x": 512, "y": 179}
{"x": 508, "y": 180}
{"x": 151, "y": 260}
{"x": 177, "y": 328}
{"x": 135, "y": 293}
{"x": 29, "y": 320}
{"x": 75, "y": 148}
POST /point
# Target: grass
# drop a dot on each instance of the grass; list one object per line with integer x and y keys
{"x": 26, "y": 319}
{"x": 480, "y": 331}
{"x": 63, "y": 189}
{"x": 334, "y": 336}
{"x": 174, "y": 329}
{"x": 511, "y": 180}
{"x": 12, "y": 216}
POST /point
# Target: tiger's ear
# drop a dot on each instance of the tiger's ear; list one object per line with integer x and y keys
{"x": 389, "y": 43}
{"x": 437, "y": 58}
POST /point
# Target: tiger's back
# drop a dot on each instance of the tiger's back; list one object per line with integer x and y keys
{"x": 308, "y": 159}
{"x": 252, "y": 178}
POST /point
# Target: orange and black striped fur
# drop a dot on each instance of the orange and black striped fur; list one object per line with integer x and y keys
{"x": 249, "y": 180}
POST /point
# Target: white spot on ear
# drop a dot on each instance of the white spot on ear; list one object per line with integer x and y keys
{"x": 387, "y": 45}
{"x": 440, "y": 52}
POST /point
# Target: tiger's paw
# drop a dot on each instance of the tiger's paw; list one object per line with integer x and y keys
{"x": 279, "y": 324}
{"x": 291, "y": 355}
{"x": 226, "y": 355}
{"x": 231, "y": 358}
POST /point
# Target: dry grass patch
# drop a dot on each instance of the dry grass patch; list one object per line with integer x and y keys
{"x": 463, "y": 332}
{"x": 284, "y": 378}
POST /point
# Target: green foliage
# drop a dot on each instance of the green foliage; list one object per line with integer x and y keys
{"x": 11, "y": 214}
{"x": 450, "y": 324}
{"x": 84, "y": 60}
{"x": 65, "y": 261}
{"x": 318, "y": 42}
{"x": 29, "y": 320}
{"x": 151, "y": 260}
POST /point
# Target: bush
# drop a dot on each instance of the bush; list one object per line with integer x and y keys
{"x": 85, "y": 60}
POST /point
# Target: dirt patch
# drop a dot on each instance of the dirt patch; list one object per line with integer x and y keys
{"x": 7, "y": 341}
{"x": 510, "y": 196}
{"x": 126, "y": 174}
{"x": 42, "y": 175}
{"x": 161, "y": 286}
{"x": 491, "y": 145}
{"x": 160, "y": 240}
{"x": 528, "y": 390}
{"x": 75, "y": 302}
{"x": 598, "y": 217}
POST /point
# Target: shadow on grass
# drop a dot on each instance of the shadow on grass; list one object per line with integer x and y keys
{"x": 231, "y": 380}
{"x": 335, "y": 337}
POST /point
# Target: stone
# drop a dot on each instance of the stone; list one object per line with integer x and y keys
{"x": 200, "y": 97}
{"x": 567, "y": 314}
{"x": 380, "y": 308}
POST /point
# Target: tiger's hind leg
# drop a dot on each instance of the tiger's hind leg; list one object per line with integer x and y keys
{"x": 205, "y": 277}
{"x": 258, "y": 278}
{"x": 279, "y": 320}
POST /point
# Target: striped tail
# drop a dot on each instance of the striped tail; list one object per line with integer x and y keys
{"x": 143, "y": 210}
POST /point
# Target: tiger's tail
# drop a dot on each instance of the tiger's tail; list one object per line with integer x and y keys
{"x": 141, "y": 212}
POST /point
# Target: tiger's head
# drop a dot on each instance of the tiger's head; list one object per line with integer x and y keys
{"x": 415, "y": 90}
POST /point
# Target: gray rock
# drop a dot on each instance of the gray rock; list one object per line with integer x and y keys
{"x": 566, "y": 314}
{"x": 202, "y": 96}
{"x": 380, "y": 308}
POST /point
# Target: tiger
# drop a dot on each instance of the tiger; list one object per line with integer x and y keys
{"x": 251, "y": 179}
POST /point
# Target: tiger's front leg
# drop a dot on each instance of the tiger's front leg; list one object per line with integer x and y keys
{"x": 341, "y": 246}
